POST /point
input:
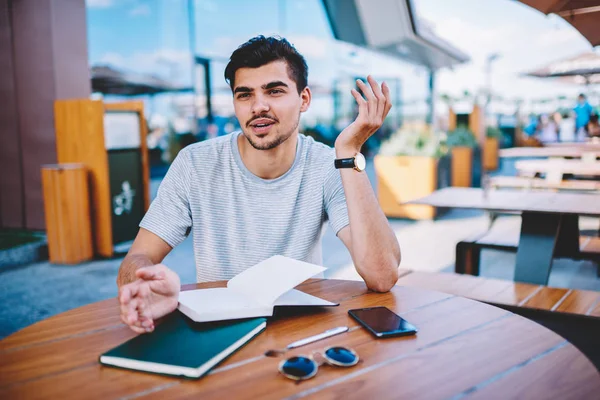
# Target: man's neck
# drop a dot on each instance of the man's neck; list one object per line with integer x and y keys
{"x": 268, "y": 164}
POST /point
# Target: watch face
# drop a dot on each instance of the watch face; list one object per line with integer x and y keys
{"x": 360, "y": 162}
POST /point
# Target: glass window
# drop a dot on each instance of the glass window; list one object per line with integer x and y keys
{"x": 186, "y": 44}
{"x": 221, "y": 26}
{"x": 150, "y": 37}
{"x": 141, "y": 51}
{"x": 305, "y": 18}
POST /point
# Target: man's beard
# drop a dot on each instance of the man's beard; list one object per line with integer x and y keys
{"x": 276, "y": 142}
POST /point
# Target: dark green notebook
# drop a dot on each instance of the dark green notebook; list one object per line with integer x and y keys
{"x": 180, "y": 346}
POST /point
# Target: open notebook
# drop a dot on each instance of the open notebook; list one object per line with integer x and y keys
{"x": 254, "y": 292}
{"x": 182, "y": 347}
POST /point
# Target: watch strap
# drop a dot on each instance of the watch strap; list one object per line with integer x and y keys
{"x": 344, "y": 162}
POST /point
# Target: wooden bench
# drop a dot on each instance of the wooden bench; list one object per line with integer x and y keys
{"x": 519, "y": 182}
{"x": 529, "y": 152}
{"x": 558, "y": 167}
{"x": 507, "y": 293}
{"x": 468, "y": 251}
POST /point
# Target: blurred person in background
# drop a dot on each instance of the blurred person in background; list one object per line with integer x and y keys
{"x": 532, "y": 124}
{"x": 566, "y": 127}
{"x": 583, "y": 111}
{"x": 547, "y": 129}
{"x": 557, "y": 120}
{"x": 593, "y": 126}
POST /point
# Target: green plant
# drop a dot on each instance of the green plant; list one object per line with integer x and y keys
{"x": 415, "y": 143}
{"x": 461, "y": 137}
{"x": 493, "y": 132}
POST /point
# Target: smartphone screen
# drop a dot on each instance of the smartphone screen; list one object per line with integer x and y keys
{"x": 382, "y": 322}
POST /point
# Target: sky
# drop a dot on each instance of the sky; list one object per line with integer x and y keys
{"x": 524, "y": 38}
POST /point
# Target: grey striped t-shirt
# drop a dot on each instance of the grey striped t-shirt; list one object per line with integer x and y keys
{"x": 238, "y": 219}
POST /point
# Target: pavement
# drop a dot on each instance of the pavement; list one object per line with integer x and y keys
{"x": 37, "y": 291}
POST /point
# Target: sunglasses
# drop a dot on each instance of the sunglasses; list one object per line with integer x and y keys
{"x": 301, "y": 367}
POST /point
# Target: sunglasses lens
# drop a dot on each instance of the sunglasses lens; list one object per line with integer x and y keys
{"x": 299, "y": 367}
{"x": 341, "y": 356}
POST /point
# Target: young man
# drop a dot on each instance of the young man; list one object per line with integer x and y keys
{"x": 267, "y": 190}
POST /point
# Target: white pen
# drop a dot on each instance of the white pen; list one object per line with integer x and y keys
{"x": 326, "y": 334}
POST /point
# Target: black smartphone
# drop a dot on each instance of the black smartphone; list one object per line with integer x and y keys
{"x": 382, "y": 322}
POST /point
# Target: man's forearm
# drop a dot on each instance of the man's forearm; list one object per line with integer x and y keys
{"x": 375, "y": 249}
{"x": 130, "y": 264}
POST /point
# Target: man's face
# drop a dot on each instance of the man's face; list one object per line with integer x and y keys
{"x": 267, "y": 104}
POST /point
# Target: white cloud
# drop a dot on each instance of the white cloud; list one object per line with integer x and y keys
{"x": 477, "y": 41}
{"x": 169, "y": 64}
{"x": 113, "y": 59}
{"x": 140, "y": 10}
{"x": 99, "y": 3}
{"x": 225, "y": 45}
{"x": 310, "y": 46}
{"x": 558, "y": 37}
{"x": 170, "y": 56}
{"x": 166, "y": 56}
{"x": 209, "y": 6}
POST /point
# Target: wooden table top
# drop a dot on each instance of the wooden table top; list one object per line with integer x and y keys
{"x": 519, "y": 182}
{"x": 575, "y": 152}
{"x": 464, "y": 348}
{"x": 593, "y": 143}
{"x": 587, "y": 204}
{"x": 577, "y": 167}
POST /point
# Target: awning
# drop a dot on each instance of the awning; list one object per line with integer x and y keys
{"x": 584, "y": 15}
{"x": 391, "y": 26}
{"x": 585, "y": 68}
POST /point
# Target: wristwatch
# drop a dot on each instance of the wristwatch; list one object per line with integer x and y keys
{"x": 357, "y": 162}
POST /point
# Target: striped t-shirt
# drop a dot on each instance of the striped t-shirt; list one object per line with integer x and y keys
{"x": 238, "y": 219}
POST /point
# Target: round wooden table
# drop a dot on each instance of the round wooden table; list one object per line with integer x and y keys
{"x": 464, "y": 348}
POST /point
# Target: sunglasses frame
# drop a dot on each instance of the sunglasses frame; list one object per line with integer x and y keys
{"x": 328, "y": 360}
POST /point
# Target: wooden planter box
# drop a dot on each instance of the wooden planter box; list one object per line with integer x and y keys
{"x": 462, "y": 166}
{"x": 490, "y": 154}
{"x": 67, "y": 213}
{"x": 404, "y": 178}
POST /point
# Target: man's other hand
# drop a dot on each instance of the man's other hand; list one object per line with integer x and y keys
{"x": 154, "y": 294}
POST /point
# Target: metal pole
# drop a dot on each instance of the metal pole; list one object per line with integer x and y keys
{"x": 192, "y": 39}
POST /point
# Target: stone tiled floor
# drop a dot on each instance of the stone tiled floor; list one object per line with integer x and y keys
{"x": 36, "y": 291}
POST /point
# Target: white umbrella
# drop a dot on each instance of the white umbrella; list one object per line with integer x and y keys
{"x": 583, "y": 69}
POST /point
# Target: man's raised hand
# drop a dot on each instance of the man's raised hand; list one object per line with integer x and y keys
{"x": 372, "y": 110}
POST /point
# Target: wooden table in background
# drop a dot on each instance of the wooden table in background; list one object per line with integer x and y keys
{"x": 572, "y": 152}
{"x": 528, "y": 183}
{"x": 592, "y": 144}
{"x": 560, "y": 167}
{"x": 464, "y": 348}
{"x": 549, "y": 222}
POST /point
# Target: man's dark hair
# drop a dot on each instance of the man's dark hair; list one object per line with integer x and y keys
{"x": 582, "y": 96}
{"x": 261, "y": 50}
